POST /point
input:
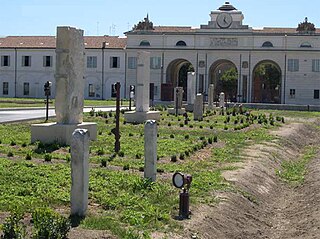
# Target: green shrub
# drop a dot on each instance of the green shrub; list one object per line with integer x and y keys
{"x": 181, "y": 124}
{"x": 13, "y": 143}
{"x": 13, "y": 228}
{"x": 174, "y": 158}
{"x": 171, "y": 136}
{"x": 28, "y": 156}
{"x": 186, "y": 136}
{"x": 210, "y": 140}
{"x": 160, "y": 170}
{"x": 130, "y": 134}
{"x": 100, "y": 151}
{"x": 0, "y": 141}
{"x": 47, "y": 157}
{"x": 126, "y": 167}
{"x": 169, "y": 124}
{"x": 138, "y": 156}
{"x": 10, "y": 154}
{"x": 121, "y": 154}
{"x": 24, "y": 145}
{"x": 103, "y": 162}
{"x": 215, "y": 139}
{"x": 187, "y": 153}
{"x": 68, "y": 158}
{"x": 141, "y": 169}
{"x": 182, "y": 156}
{"x": 49, "y": 224}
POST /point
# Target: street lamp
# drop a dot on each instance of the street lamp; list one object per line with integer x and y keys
{"x": 47, "y": 93}
{"x": 183, "y": 182}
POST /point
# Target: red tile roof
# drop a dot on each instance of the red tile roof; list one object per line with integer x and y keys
{"x": 278, "y": 30}
{"x": 112, "y": 42}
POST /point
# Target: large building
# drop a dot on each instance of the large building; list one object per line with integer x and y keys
{"x": 269, "y": 65}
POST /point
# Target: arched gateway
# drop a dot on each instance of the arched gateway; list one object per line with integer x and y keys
{"x": 176, "y": 75}
{"x": 266, "y": 86}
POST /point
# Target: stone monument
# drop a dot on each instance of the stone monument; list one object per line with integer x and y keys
{"x": 142, "y": 112}
{"x": 79, "y": 172}
{"x": 198, "y": 108}
{"x": 150, "y": 150}
{"x": 222, "y": 100}
{"x": 211, "y": 97}
{"x": 69, "y": 91}
{"x": 178, "y": 96}
{"x": 191, "y": 91}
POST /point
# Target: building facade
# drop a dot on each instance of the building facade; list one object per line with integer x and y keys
{"x": 269, "y": 65}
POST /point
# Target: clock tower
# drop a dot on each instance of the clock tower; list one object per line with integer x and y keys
{"x": 226, "y": 17}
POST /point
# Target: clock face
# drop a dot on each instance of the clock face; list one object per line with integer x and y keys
{"x": 224, "y": 20}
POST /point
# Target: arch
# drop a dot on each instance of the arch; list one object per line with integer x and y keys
{"x": 223, "y": 74}
{"x": 176, "y": 75}
{"x": 306, "y": 45}
{"x": 266, "y": 87}
{"x": 267, "y": 44}
{"x": 144, "y": 43}
{"x": 181, "y": 43}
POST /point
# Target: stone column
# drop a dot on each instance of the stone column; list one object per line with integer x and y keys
{"x": 191, "y": 93}
{"x": 143, "y": 81}
{"x": 79, "y": 172}
{"x": 211, "y": 96}
{"x": 178, "y": 96}
{"x": 69, "y": 75}
{"x": 222, "y": 100}
{"x": 198, "y": 108}
{"x": 150, "y": 150}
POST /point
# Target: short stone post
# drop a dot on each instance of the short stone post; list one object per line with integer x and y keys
{"x": 79, "y": 172}
{"x": 191, "y": 93}
{"x": 150, "y": 150}
{"x": 211, "y": 96}
{"x": 143, "y": 81}
{"x": 198, "y": 108}
{"x": 221, "y": 100}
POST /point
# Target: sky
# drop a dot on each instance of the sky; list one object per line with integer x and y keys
{"x": 114, "y": 17}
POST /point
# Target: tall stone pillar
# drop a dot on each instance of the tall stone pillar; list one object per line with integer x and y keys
{"x": 150, "y": 150}
{"x": 142, "y": 112}
{"x": 198, "y": 108}
{"x": 191, "y": 94}
{"x": 143, "y": 82}
{"x": 211, "y": 96}
{"x": 79, "y": 172}
{"x": 69, "y": 75}
{"x": 222, "y": 100}
{"x": 178, "y": 96}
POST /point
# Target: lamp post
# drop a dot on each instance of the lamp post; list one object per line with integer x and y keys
{"x": 47, "y": 92}
{"x": 183, "y": 182}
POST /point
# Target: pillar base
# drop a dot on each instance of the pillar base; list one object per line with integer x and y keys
{"x": 60, "y": 133}
{"x": 140, "y": 117}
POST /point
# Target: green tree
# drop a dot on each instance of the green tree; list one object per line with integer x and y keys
{"x": 229, "y": 81}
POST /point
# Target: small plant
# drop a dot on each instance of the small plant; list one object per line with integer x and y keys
{"x": 187, "y": 153}
{"x": 24, "y": 144}
{"x": 100, "y": 152}
{"x": 211, "y": 126}
{"x": 28, "y": 156}
{"x": 138, "y": 156}
{"x": 130, "y": 134}
{"x": 160, "y": 170}
{"x": 68, "y": 158}
{"x": 191, "y": 126}
{"x": 186, "y": 136}
{"x": 121, "y": 154}
{"x": 91, "y": 113}
{"x": 201, "y": 137}
{"x": 126, "y": 167}
{"x": 182, "y": 156}
{"x": 13, "y": 143}
{"x": 141, "y": 169}
{"x": 171, "y": 136}
{"x": 215, "y": 139}
{"x": 103, "y": 162}
{"x": 10, "y": 154}
{"x": 181, "y": 124}
{"x": 225, "y": 127}
{"x": 169, "y": 124}
{"x": 174, "y": 158}
{"x": 49, "y": 224}
{"x": 110, "y": 114}
{"x": 210, "y": 140}
{"x": 100, "y": 133}
{"x": 13, "y": 228}
{"x": 201, "y": 127}
{"x": 47, "y": 157}
{"x": 0, "y": 141}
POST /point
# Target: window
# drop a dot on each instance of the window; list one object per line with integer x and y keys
{"x": 292, "y": 93}
{"x": 91, "y": 90}
{"x": 293, "y": 65}
{"x": 316, "y": 65}
{"x": 114, "y": 62}
{"x": 5, "y": 88}
{"x": 91, "y": 62}
{"x": 144, "y": 43}
{"x": 267, "y": 44}
{"x": 5, "y": 60}
{"x": 47, "y": 61}
{"x": 316, "y": 94}
{"x": 155, "y": 62}
{"x": 181, "y": 43}
{"x": 132, "y": 62}
{"x": 26, "y": 60}
{"x": 26, "y": 88}
{"x": 306, "y": 44}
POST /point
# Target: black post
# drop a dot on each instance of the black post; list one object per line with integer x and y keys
{"x": 177, "y": 101}
{"x": 117, "y": 129}
{"x": 184, "y": 211}
{"x": 47, "y": 108}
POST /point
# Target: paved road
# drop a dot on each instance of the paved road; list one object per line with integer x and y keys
{"x": 16, "y": 115}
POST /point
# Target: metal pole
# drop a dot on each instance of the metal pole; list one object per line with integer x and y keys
{"x": 47, "y": 108}
{"x": 177, "y": 102}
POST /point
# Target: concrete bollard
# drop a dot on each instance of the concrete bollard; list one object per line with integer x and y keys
{"x": 79, "y": 172}
{"x": 150, "y": 150}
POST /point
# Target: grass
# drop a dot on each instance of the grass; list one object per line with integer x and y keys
{"x": 293, "y": 172}
{"x": 31, "y": 102}
{"x": 128, "y": 205}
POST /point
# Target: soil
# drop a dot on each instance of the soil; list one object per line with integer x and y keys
{"x": 264, "y": 206}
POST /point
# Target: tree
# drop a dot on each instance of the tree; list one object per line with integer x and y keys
{"x": 229, "y": 82}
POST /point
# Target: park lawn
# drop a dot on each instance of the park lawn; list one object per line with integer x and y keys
{"x": 125, "y": 203}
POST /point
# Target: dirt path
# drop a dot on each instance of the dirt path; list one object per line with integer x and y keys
{"x": 264, "y": 206}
